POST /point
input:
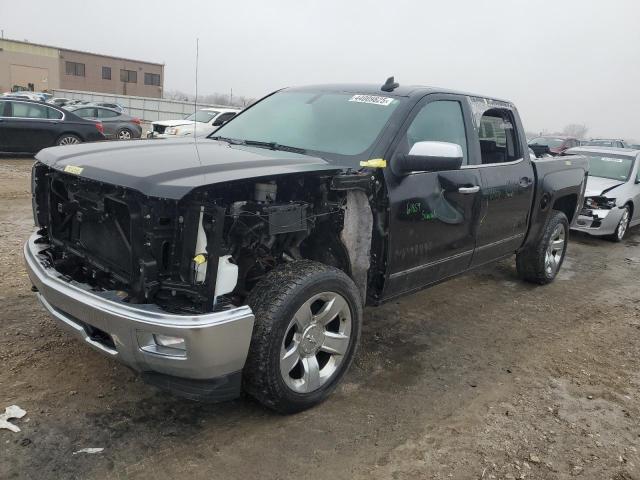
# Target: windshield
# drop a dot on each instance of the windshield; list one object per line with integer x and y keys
{"x": 551, "y": 142}
{"x": 600, "y": 143}
{"x": 610, "y": 167}
{"x": 202, "y": 116}
{"x": 337, "y": 126}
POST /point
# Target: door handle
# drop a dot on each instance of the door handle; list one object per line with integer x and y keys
{"x": 466, "y": 190}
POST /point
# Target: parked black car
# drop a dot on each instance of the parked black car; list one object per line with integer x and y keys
{"x": 27, "y": 127}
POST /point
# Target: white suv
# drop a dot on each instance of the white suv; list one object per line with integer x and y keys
{"x": 200, "y": 123}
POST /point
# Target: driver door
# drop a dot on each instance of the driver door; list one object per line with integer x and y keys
{"x": 434, "y": 216}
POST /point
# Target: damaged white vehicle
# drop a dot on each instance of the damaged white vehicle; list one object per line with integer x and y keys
{"x": 612, "y": 198}
{"x": 200, "y": 123}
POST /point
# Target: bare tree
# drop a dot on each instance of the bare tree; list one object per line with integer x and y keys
{"x": 575, "y": 130}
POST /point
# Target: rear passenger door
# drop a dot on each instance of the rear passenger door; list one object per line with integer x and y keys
{"x": 110, "y": 121}
{"x": 31, "y": 126}
{"x": 507, "y": 181}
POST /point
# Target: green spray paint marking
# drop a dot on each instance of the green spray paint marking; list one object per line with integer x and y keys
{"x": 415, "y": 208}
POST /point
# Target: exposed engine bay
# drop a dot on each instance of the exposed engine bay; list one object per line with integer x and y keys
{"x": 202, "y": 253}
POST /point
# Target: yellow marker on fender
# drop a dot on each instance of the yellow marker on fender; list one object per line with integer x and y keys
{"x": 73, "y": 169}
{"x": 199, "y": 259}
{"x": 374, "y": 163}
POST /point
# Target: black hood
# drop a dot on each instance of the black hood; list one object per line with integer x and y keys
{"x": 172, "y": 168}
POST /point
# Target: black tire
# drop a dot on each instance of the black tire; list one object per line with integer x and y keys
{"x": 616, "y": 237}
{"x": 531, "y": 263}
{"x": 275, "y": 300}
{"x": 124, "y": 131}
{"x": 68, "y": 139}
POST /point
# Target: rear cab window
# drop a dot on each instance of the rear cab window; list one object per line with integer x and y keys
{"x": 497, "y": 128}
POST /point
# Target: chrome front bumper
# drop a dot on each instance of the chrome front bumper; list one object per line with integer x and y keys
{"x": 216, "y": 343}
{"x": 600, "y": 222}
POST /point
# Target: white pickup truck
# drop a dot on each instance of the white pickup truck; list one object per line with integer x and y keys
{"x": 200, "y": 123}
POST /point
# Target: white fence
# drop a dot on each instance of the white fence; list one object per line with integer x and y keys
{"x": 145, "y": 108}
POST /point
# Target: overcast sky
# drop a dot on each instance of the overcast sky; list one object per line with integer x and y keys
{"x": 560, "y": 61}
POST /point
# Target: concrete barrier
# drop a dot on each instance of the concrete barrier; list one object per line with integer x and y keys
{"x": 145, "y": 108}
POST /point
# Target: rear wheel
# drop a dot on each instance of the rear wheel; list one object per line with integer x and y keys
{"x": 308, "y": 322}
{"x": 541, "y": 263}
{"x": 124, "y": 134}
{"x": 68, "y": 139}
{"x": 623, "y": 225}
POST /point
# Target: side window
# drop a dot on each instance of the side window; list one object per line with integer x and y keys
{"x": 29, "y": 110}
{"x": 104, "y": 113}
{"x": 53, "y": 113}
{"x": 498, "y": 138}
{"x": 85, "y": 112}
{"x": 440, "y": 121}
{"x": 5, "y": 109}
{"x": 223, "y": 118}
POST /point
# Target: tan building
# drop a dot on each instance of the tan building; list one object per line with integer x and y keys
{"x": 36, "y": 67}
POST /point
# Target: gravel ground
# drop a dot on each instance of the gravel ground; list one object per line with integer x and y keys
{"x": 482, "y": 377}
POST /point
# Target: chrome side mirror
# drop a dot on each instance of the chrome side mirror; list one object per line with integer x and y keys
{"x": 430, "y": 157}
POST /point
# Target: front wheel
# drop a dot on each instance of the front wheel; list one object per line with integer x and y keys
{"x": 623, "y": 225}
{"x": 307, "y": 327}
{"x": 540, "y": 264}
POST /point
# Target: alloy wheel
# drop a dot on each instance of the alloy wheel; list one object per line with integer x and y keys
{"x": 68, "y": 141}
{"x": 555, "y": 250}
{"x": 315, "y": 342}
{"x": 124, "y": 135}
{"x": 624, "y": 223}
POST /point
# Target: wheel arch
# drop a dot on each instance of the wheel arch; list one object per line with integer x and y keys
{"x": 349, "y": 248}
{"x": 567, "y": 204}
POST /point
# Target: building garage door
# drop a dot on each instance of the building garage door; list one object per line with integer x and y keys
{"x": 29, "y": 77}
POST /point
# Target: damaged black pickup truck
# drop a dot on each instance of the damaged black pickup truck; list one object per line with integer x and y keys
{"x": 242, "y": 262}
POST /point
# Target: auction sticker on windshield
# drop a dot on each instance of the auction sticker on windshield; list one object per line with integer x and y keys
{"x": 374, "y": 99}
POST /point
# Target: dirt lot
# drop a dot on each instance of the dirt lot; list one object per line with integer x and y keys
{"x": 480, "y": 377}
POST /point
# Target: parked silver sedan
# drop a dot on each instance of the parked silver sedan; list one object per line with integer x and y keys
{"x": 612, "y": 198}
{"x": 116, "y": 124}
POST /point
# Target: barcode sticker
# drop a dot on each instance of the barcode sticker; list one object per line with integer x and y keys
{"x": 374, "y": 99}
